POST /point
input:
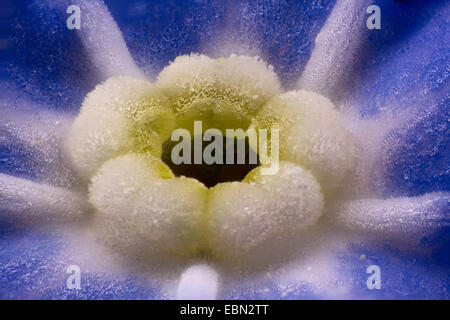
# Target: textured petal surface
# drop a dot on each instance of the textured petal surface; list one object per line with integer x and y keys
{"x": 397, "y": 218}
{"x": 312, "y": 135}
{"x": 121, "y": 115}
{"x": 275, "y": 211}
{"x": 223, "y": 93}
{"x": 144, "y": 211}
{"x": 32, "y": 202}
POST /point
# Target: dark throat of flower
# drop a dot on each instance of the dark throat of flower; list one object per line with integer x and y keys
{"x": 219, "y": 171}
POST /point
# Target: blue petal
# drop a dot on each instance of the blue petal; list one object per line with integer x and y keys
{"x": 404, "y": 66}
{"x": 281, "y": 32}
{"x": 43, "y": 58}
{"x": 33, "y": 266}
{"x": 403, "y": 276}
{"x": 416, "y": 156}
{"x": 405, "y": 63}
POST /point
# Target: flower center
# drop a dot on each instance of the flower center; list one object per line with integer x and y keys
{"x": 289, "y": 152}
{"x": 219, "y": 171}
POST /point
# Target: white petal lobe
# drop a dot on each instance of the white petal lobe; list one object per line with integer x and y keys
{"x": 259, "y": 219}
{"x": 144, "y": 211}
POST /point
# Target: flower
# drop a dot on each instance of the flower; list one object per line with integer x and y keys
{"x": 142, "y": 207}
{"x": 384, "y": 88}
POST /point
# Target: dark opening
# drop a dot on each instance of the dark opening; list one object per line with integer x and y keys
{"x": 212, "y": 174}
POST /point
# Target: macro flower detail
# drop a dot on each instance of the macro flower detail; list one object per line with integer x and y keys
{"x": 356, "y": 122}
{"x": 144, "y": 210}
